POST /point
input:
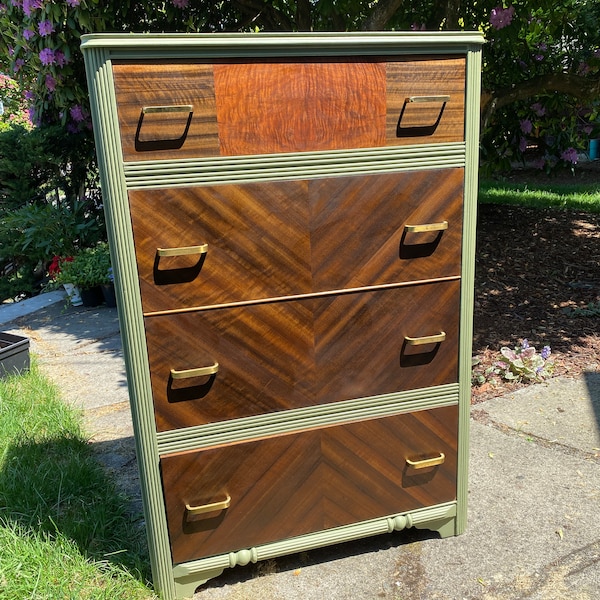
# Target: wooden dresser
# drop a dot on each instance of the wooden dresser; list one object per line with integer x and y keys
{"x": 291, "y": 221}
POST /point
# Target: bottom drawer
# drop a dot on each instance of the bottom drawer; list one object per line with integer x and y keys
{"x": 241, "y": 495}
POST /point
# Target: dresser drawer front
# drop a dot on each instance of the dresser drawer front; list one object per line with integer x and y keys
{"x": 284, "y": 355}
{"x": 274, "y": 239}
{"x": 295, "y": 484}
{"x": 197, "y": 109}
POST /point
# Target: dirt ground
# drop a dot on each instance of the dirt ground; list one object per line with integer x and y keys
{"x": 537, "y": 273}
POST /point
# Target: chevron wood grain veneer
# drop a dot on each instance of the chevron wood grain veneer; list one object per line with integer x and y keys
{"x": 291, "y": 220}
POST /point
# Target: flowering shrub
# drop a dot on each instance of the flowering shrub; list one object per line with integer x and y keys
{"x": 529, "y": 42}
{"x": 14, "y": 106}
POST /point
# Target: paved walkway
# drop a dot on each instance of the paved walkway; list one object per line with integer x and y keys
{"x": 534, "y": 505}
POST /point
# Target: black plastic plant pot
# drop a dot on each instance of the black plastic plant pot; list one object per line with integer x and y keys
{"x": 14, "y": 354}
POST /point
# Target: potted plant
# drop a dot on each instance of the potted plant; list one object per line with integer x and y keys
{"x": 88, "y": 270}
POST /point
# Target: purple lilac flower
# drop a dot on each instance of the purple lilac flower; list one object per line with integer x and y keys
{"x": 570, "y": 155}
{"x": 28, "y": 34}
{"x": 546, "y": 352}
{"x": 45, "y": 28}
{"x": 526, "y": 126}
{"x": 538, "y": 109}
{"x": 522, "y": 144}
{"x": 73, "y": 3}
{"x": 502, "y": 17}
{"x": 525, "y": 344}
{"x": 180, "y": 3}
{"x": 50, "y": 83}
{"x": 77, "y": 113}
{"x": 47, "y": 56}
{"x": 30, "y": 5}
{"x": 18, "y": 64}
{"x": 60, "y": 58}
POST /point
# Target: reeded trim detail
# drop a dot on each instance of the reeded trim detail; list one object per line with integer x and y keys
{"x": 255, "y": 427}
{"x": 171, "y": 173}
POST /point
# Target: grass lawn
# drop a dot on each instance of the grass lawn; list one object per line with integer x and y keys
{"x": 65, "y": 531}
{"x": 574, "y": 196}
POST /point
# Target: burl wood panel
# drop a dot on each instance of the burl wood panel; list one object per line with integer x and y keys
{"x": 164, "y": 135}
{"x": 295, "y": 484}
{"x": 292, "y": 354}
{"x": 265, "y": 108}
{"x": 431, "y": 121}
{"x": 273, "y": 239}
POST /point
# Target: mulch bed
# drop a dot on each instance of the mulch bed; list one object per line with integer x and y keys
{"x": 535, "y": 271}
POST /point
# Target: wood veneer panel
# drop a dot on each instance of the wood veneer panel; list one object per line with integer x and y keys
{"x": 265, "y": 356}
{"x": 360, "y": 347}
{"x": 299, "y": 483}
{"x": 425, "y": 122}
{"x": 293, "y": 354}
{"x": 164, "y": 135}
{"x": 257, "y": 236}
{"x": 284, "y": 238}
{"x": 300, "y": 106}
{"x": 358, "y": 224}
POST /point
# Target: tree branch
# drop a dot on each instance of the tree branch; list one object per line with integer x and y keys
{"x": 382, "y": 12}
{"x": 579, "y": 87}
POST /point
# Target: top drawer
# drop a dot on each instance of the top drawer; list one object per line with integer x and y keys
{"x": 176, "y": 110}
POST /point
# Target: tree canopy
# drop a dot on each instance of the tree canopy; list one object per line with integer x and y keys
{"x": 540, "y": 74}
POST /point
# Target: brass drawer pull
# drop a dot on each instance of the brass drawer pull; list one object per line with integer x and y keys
{"x": 427, "y": 339}
{"x": 442, "y": 226}
{"x": 206, "y": 508}
{"x": 183, "y": 251}
{"x": 198, "y": 372}
{"x": 428, "y": 99}
{"x": 147, "y": 110}
{"x": 428, "y": 462}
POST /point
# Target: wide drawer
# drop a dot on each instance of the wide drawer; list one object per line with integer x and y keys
{"x": 189, "y": 109}
{"x": 221, "y": 244}
{"x": 227, "y": 363}
{"x": 229, "y": 498}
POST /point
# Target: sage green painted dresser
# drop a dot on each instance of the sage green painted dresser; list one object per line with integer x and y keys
{"x": 292, "y": 227}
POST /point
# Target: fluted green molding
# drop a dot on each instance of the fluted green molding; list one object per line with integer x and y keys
{"x": 249, "y": 428}
{"x": 148, "y": 174}
{"x": 189, "y": 575}
{"x": 473, "y": 92}
{"x": 129, "y": 304}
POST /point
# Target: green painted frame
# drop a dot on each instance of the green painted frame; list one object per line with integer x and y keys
{"x": 117, "y": 178}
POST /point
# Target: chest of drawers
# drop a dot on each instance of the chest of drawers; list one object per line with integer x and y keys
{"x": 291, "y": 221}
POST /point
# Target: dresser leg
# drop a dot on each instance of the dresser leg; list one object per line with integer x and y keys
{"x": 186, "y": 585}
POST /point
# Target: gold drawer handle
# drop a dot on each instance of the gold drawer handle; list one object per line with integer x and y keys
{"x": 428, "y": 462}
{"x": 147, "y": 110}
{"x": 441, "y": 226}
{"x": 183, "y": 251}
{"x": 206, "y": 508}
{"x": 427, "y": 339}
{"x": 198, "y": 372}
{"x": 428, "y": 99}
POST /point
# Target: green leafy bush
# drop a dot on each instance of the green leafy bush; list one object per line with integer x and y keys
{"x": 88, "y": 268}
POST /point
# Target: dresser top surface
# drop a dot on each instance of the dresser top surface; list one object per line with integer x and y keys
{"x": 270, "y": 44}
